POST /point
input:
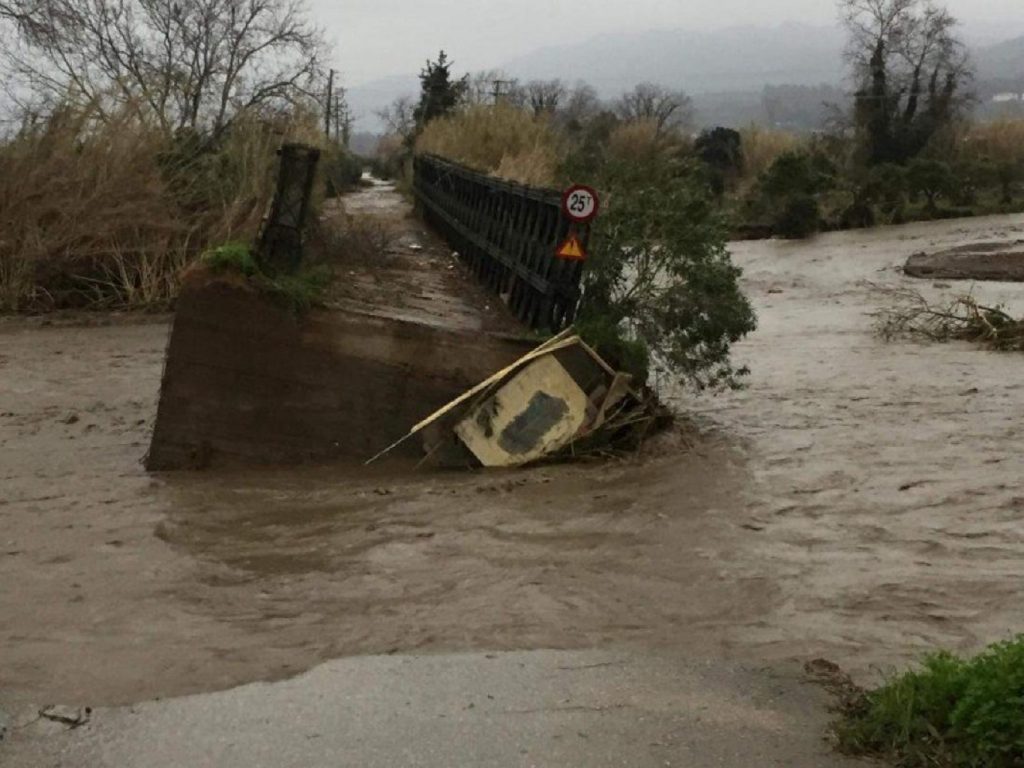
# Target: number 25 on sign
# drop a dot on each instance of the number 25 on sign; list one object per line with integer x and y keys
{"x": 580, "y": 205}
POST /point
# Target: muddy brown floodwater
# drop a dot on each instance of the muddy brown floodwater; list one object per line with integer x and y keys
{"x": 860, "y": 501}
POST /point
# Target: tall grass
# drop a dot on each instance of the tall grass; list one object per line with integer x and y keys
{"x": 502, "y": 140}
{"x": 641, "y": 141}
{"x": 1001, "y": 141}
{"x": 763, "y": 146}
{"x": 105, "y": 212}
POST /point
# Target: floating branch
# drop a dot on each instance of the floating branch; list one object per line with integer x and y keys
{"x": 962, "y": 319}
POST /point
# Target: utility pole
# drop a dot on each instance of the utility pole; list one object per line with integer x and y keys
{"x": 502, "y": 89}
{"x": 327, "y": 107}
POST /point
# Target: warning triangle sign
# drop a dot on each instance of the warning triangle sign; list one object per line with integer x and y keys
{"x": 571, "y": 249}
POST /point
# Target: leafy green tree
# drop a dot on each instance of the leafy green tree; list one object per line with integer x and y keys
{"x": 798, "y": 173}
{"x": 721, "y": 150}
{"x": 932, "y": 178}
{"x": 789, "y": 190}
{"x": 799, "y": 217}
{"x": 439, "y": 93}
{"x": 659, "y": 283}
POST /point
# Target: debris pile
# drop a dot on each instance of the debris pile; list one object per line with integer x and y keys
{"x": 962, "y": 319}
{"x": 560, "y": 400}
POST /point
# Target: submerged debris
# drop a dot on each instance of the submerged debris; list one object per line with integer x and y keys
{"x": 72, "y": 717}
{"x": 962, "y": 319}
{"x": 560, "y": 400}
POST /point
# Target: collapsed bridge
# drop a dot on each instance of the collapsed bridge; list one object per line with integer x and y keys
{"x": 249, "y": 380}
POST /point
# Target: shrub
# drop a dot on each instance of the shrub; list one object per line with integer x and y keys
{"x": 660, "y": 275}
{"x": 888, "y": 190}
{"x": 299, "y": 292}
{"x": 798, "y": 173}
{"x": 858, "y": 215}
{"x": 763, "y": 146}
{"x": 950, "y": 712}
{"x": 231, "y": 257}
{"x": 788, "y": 191}
{"x": 721, "y": 150}
{"x": 932, "y": 178}
{"x": 800, "y": 217}
{"x": 341, "y": 171}
{"x": 386, "y": 162}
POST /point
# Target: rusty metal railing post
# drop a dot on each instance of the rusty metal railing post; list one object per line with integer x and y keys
{"x": 279, "y": 244}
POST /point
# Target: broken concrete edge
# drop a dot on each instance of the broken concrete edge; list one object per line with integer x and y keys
{"x": 246, "y": 381}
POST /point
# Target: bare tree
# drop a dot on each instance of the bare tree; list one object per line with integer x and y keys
{"x": 398, "y": 117}
{"x": 545, "y": 95}
{"x": 580, "y": 104}
{"x": 910, "y": 73}
{"x": 492, "y": 86}
{"x": 647, "y": 101}
{"x": 188, "y": 63}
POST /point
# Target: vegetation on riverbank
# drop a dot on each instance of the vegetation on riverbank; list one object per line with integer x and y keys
{"x": 903, "y": 149}
{"x": 950, "y": 712}
{"x": 766, "y": 182}
{"x": 299, "y": 291}
{"x": 659, "y": 290}
{"x": 126, "y": 161}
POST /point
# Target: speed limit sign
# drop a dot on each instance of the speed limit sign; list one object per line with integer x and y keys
{"x": 580, "y": 203}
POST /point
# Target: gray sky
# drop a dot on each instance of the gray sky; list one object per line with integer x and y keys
{"x": 377, "y": 38}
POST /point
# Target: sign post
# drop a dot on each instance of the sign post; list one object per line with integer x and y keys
{"x": 580, "y": 205}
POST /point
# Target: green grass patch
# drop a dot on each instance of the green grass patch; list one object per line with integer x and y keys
{"x": 951, "y": 711}
{"x": 231, "y": 257}
{"x": 299, "y": 292}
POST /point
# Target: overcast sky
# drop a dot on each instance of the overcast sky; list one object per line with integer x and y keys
{"x": 377, "y": 38}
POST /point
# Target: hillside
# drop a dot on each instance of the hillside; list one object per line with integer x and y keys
{"x": 726, "y": 70}
{"x": 1003, "y": 61}
{"x": 731, "y": 59}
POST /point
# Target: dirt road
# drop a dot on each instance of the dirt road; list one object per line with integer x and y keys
{"x": 860, "y": 501}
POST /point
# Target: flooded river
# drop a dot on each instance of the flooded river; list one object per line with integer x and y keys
{"x": 859, "y": 501}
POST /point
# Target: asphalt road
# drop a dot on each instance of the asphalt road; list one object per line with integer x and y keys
{"x": 534, "y": 708}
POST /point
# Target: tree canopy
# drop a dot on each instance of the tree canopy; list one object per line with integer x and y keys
{"x": 911, "y": 73}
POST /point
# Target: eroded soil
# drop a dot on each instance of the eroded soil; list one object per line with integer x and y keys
{"x": 860, "y": 501}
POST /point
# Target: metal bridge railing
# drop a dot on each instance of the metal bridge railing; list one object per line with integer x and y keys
{"x": 507, "y": 234}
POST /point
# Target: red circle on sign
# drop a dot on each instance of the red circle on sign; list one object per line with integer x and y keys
{"x": 580, "y": 203}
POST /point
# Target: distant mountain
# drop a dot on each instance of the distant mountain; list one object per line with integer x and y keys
{"x": 732, "y": 59}
{"x": 725, "y": 70}
{"x": 1001, "y": 61}
{"x": 365, "y": 100}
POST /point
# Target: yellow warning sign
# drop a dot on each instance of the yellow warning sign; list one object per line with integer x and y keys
{"x": 571, "y": 249}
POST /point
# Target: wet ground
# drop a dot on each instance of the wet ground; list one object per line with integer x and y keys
{"x": 860, "y": 501}
{"x": 591, "y": 709}
{"x": 392, "y": 265}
